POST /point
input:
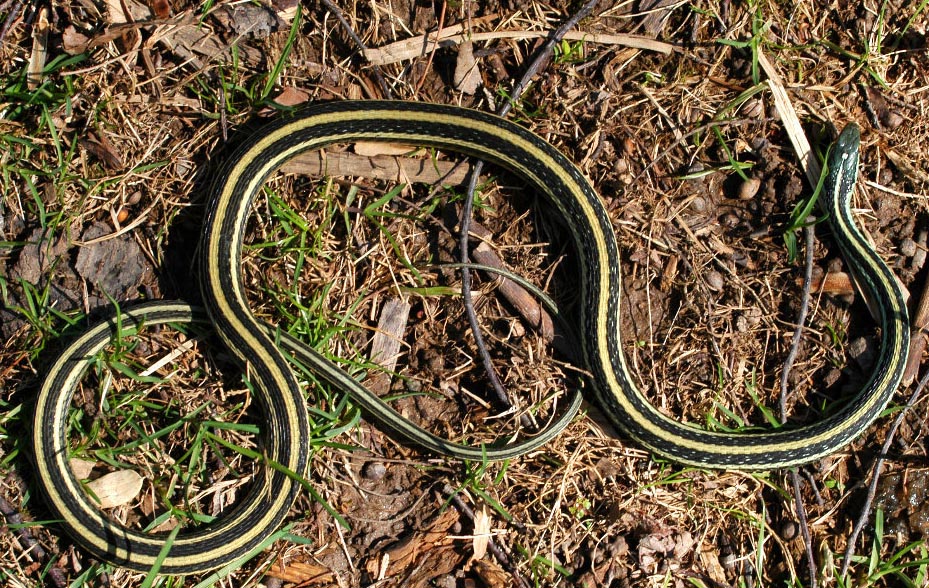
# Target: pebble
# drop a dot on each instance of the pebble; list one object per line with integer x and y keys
{"x": 374, "y": 470}
{"x": 715, "y": 281}
{"x": 886, "y": 176}
{"x": 754, "y": 108}
{"x": 749, "y": 188}
{"x": 741, "y": 324}
{"x": 919, "y": 258}
{"x": 893, "y": 120}
{"x": 698, "y": 204}
{"x": 788, "y": 530}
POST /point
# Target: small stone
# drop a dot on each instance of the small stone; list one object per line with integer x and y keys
{"x": 374, "y": 470}
{"x": 749, "y": 188}
{"x": 754, "y": 108}
{"x": 698, "y": 204}
{"x": 892, "y": 120}
{"x": 788, "y": 530}
{"x": 862, "y": 352}
{"x": 715, "y": 281}
{"x": 741, "y": 323}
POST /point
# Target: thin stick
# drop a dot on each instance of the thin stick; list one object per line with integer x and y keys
{"x": 10, "y": 19}
{"x": 811, "y": 168}
{"x": 351, "y": 33}
{"x": 876, "y": 474}
{"x": 785, "y": 373}
{"x": 537, "y": 63}
{"x": 455, "y": 497}
{"x": 918, "y": 333}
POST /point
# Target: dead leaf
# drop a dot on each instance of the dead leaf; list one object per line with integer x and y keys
{"x": 116, "y": 488}
{"x": 81, "y": 468}
{"x": 467, "y": 78}
{"x": 127, "y": 11}
{"x": 291, "y": 96}
{"x": 664, "y": 546}
{"x": 492, "y": 575}
{"x": 374, "y": 148}
{"x": 161, "y": 8}
{"x": 709, "y": 557}
{"x": 481, "y": 534}
{"x": 74, "y": 42}
{"x": 101, "y": 147}
{"x": 115, "y": 12}
{"x": 302, "y": 573}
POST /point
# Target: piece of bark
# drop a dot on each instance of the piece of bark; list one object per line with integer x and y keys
{"x": 385, "y": 346}
{"x": 397, "y": 169}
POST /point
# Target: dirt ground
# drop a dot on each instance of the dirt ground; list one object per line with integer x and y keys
{"x": 117, "y": 115}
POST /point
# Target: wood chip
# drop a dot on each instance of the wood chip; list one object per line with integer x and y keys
{"x": 832, "y": 283}
{"x": 39, "y": 53}
{"x": 412, "y": 552}
{"x": 302, "y": 573}
{"x": 385, "y": 346}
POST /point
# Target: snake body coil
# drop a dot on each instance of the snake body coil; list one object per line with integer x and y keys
{"x": 287, "y": 425}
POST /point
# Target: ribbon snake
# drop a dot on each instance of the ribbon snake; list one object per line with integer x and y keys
{"x": 286, "y": 427}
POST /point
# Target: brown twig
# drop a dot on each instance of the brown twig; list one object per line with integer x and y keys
{"x": 919, "y": 330}
{"x": 10, "y": 19}
{"x": 29, "y": 543}
{"x": 875, "y": 476}
{"x": 455, "y": 497}
{"x": 361, "y": 46}
{"x": 524, "y": 303}
{"x": 14, "y": 518}
{"x": 540, "y": 59}
{"x": 785, "y": 373}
